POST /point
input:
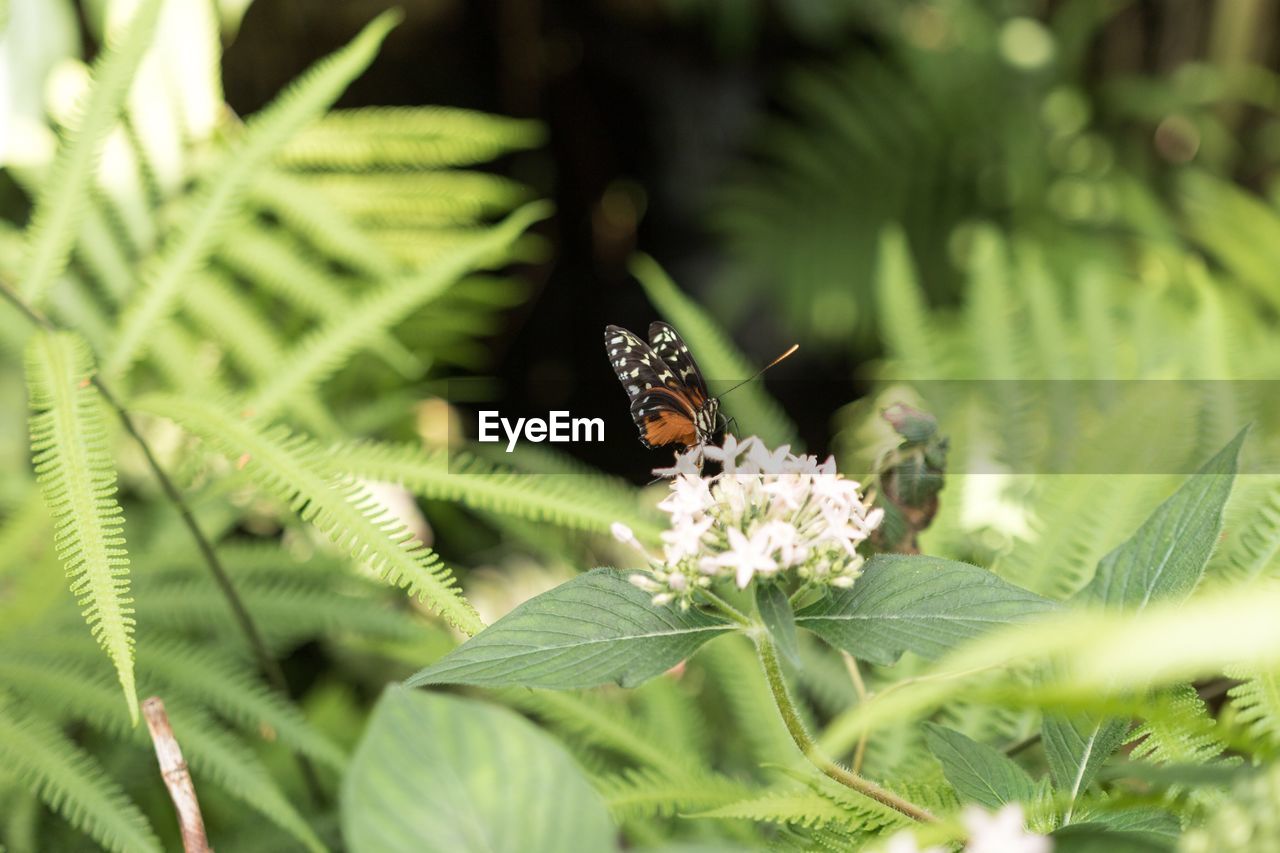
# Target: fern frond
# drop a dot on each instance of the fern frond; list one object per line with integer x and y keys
{"x": 1079, "y": 517}
{"x": 580, "y": 503}
{"x": 322, "y": 352}
{"x": 732, "y": 665}
{"x": 588, "y": 719}
{"x": 799, "y": 807}
{"x": 60, "y": 205}
{"x": 903, "y": 311}
{"x": 106, "y": 243}
{"x": 412, "y": 137}
{"x": 1183, "y": 733}
{"x": 825, "y": 677}
{"x": 306, "y": 213}
{"x": 670, "y": 713}
{"x": 69, "y": 447}
{"x": 635, "y": 794}
{"x": 287, "y": 610}
{"x": 716, "y": 355}
{"x": 74, "y": 692}
{"x": 1256, "y": 704}
{"x": 418, "y": 247}
{"x": 74, "y": 305}
{"x": 71, "y": 783}
{"x": 1249, "y": 550}
{"x": 221, "y": 193}
{"x": 225, "y": 316}
{"x": 294, "y": 470}
{"x": 223, "y": 684}
{"x": 231, "y": 765}
{"x": 271, "y": 260}
{"x": 425, "y": 198}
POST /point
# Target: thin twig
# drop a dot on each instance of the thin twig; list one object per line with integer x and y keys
{"x": 859, "y": 687}
{"x": 173, "y": 768}
{"x": 269, "y": 666}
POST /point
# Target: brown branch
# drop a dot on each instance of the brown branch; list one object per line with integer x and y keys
{"x": 173, "y": 768}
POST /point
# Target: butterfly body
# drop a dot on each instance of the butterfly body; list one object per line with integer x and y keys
{"x": 669, "y": 399}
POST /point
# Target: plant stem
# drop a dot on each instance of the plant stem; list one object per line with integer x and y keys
{"x": 859, "y": 687}
{"x": 768, "y": 654}
{"x": 269, "y": 666}
{"x": 726, "y": 608}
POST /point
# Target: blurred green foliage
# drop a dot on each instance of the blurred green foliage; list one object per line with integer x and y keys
{"x": 973, "y": 190}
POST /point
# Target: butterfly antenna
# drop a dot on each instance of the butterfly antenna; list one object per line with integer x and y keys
{"x": 786, "y": 354}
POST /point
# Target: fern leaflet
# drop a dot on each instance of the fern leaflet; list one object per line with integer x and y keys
{"x": 647, "y": 793}
{"x": 582, "y": 503}
{"x": 323, "y": 351}
{"x": 294, "y": 470}
{"x": 1256, "y": 704}
{"x": 71, "y": 783}
{"x": 60, "y": 205}
{"x": 74, "y": 467}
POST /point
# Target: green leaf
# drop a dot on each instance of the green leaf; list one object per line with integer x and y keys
{"x": 1163, "y": 559}
{"x": 1096, "y": 838}
{"x": 1077, "y": 748}
{"x": 1168, "y": 553}
{"x": 978, "y": 772}
{"x": 594, "y": 629}
{"x": 717, "y": 356}
{"x": 925, "y": 605}
{"x": 69, "y": 448}
{"x": 442, "y": 773}
{"x": 223, "y": 190}
{"x": 775, "y": 612}
{"x": 64, "y": 196}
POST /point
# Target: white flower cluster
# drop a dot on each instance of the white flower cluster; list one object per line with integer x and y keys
{"x": 765, "y": 513}
{"x": 1001, "y": 832}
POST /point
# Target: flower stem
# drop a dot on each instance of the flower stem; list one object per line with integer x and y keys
{"x": 726, "y": 608}
{"x": 768, "y": 654}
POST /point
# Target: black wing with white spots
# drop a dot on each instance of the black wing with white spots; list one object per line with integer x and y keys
{"x": 670, "y": 347}
{"x": 660, "y": 402}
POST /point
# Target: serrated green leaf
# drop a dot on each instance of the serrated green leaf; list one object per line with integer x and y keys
{"x": 978, "y": 772}
{"x": 778, "y": 617}
{"x": 1168, "y": 553}
{"x": 594, "y": 629}
{"x": 1163, "y": 559}
{"x": 1076, "y": 749}
{"x": 442, "y": 773}
{"x": 72, "y": 459}
{"x": 925, "y": 605}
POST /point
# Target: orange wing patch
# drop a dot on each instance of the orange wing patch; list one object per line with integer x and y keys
{"x": 669, "y": 428}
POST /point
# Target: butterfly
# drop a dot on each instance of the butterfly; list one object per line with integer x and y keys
{"x": 669, "y": 399}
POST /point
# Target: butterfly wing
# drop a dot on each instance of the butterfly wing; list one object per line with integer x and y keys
{"x": 659, "y": 407}
{"x": 670, "y": 347}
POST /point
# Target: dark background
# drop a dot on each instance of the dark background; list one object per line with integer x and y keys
{"x": 648, "y": 104}
{"x": 644, "y": 113}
